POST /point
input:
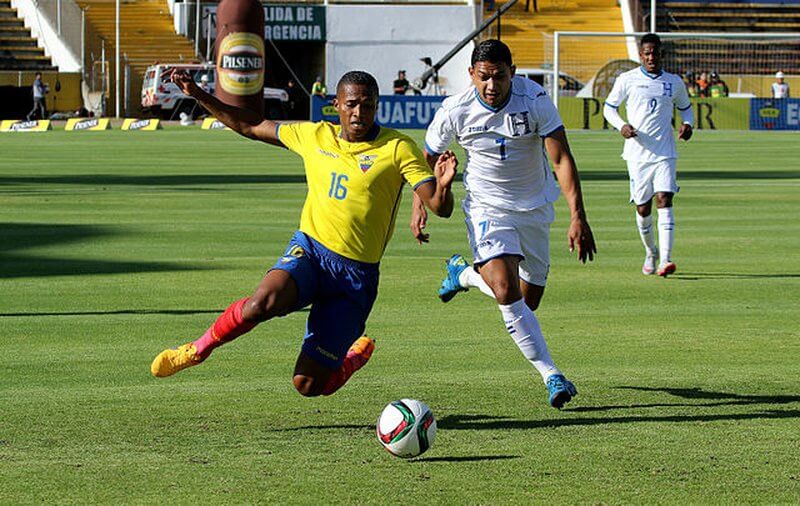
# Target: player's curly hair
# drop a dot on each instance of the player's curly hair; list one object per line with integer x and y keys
{"x": 361, "y": 78}
{"x": 650, "y": 38}
{"x": 491, "y": 50}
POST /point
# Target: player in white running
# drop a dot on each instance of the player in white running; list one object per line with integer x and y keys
{"x": 506, "y": 124}
{"x": 650, "y": 94}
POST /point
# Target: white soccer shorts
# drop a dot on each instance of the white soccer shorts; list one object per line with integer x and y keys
{"x": 649, "y": 178}
{"x": 494, "y": 232}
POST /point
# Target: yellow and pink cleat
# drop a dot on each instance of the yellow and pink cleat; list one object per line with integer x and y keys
{"x": 173, "y": 360}
{"x": 360, "y": 352}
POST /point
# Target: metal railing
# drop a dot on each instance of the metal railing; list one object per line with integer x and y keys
{"x": 433, "y": 70}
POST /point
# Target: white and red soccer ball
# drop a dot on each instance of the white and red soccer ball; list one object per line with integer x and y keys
{"x": 406, "y": 428}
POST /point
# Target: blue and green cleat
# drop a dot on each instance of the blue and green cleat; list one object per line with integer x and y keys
{"x": 561, "y": 390}
{"x": 451, "y": 286}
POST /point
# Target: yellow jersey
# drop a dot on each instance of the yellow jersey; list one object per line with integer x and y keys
{"x": 354, "y": 188}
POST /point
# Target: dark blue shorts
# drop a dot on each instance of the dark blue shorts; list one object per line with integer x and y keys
{"x": 341, "y": 293}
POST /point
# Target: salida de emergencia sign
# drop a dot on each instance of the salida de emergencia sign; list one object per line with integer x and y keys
{"x": 294, "y": 22}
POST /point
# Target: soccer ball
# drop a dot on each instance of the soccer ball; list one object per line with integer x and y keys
{"x": 406, "y": 428}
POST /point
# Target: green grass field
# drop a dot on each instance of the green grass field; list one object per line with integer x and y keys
{"x": 116, "y": 245}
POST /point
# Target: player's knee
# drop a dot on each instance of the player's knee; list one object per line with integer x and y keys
{"x": 664, "y": 200}
{"x": 253, "y": 310}
{"x": 505, "y": 292}
{"x": 307, "y": 386}
{"x": 644, "y": 210}
{"x": 262, "y": 306}
{"x": 532, "y": 302}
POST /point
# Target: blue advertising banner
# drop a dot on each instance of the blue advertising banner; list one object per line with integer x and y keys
{"x": 394, "y": 111}
{"x": 775, "y": 114}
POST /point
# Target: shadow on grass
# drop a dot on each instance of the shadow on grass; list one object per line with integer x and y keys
{"x": 454, "y": 422}
{"x": 699, "y": 393}
{"x": 112, "y": 312}
{"x": 347, "y": 426}
{"x": 20, "y": 236}
{"x": 152, "y": 180}
{"x": 115, "y": 312}
{"x": 487, "y": 422}
{"x": 235, "y": 179}
{"x": 19, "y": 266}
{"x": 495, "y": 422}
{"x": 492, "y": 422}
{"x": 466, "y": 458}
{"x": 696, "y": 276}
{"x": 716, "y": 398}
{"x": 622, "y": 175}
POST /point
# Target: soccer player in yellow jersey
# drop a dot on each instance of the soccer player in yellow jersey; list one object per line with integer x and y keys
{"x": 355, "y": 175}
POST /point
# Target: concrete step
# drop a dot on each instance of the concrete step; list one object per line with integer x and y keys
{"x": 31, "y": 57}
{"x": 12, "y": 22}
{"x": 22, "y": 49}
{"x": 14, "y": 31}
{"x": 18, "y": 41}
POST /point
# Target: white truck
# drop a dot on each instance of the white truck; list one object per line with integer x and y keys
{"x": 163, "y": 99}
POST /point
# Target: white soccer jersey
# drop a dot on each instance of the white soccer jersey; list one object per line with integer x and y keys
{"x": 780, "y": 90}
{"x": 649, "y": 101}
{"x": 506, "y": 166}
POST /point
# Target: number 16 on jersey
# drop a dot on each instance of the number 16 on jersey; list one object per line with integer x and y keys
{"x": 338, "y": 190}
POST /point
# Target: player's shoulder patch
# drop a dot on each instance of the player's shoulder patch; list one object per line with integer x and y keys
{"x": 308, "y": 127}
{"x": 522, "y": 86}
{"x": 632, "y": 73}
{"x": 390, "y": 134}
{"x": 462, "y": 99}
{"x": 671, "y": 76}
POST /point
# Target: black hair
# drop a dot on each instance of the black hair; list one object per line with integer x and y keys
{"x": 651, "y": 38}
{"x": 491, "y": 50}
{"x": 359, "y": 77}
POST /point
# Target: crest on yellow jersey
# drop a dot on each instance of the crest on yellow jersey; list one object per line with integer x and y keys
{"x": 365, "y": 162}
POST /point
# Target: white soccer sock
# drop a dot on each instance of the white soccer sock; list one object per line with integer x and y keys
{"x": 524, "y": 328}
{"x": 470, "y": 278}
{"x": 645, "y": 226}
{"x": 666, "y": 227}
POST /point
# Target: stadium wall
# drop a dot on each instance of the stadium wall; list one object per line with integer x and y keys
{"x": 587, "y": 113}
{"x": 383, "y": 39}
{"x": 16, "y": 97}
{"x": 40, "y": 18}
{"x": 710, "y": 113}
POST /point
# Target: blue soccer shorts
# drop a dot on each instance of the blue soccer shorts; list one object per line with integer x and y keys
{"x": 341, "y": 293}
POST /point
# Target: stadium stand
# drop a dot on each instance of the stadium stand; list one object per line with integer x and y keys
{"x": 147, "y": 35}
{"x": 729, "y": 17}
{"x": 756, "y": 57}
{"x": 529, "y": 33}
{"x": 18, "y": 50}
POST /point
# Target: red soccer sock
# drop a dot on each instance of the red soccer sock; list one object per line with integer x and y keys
{"x": 340, "y": 377}
{"x": 356, "y": 358}
{"x": 228, "y": 327}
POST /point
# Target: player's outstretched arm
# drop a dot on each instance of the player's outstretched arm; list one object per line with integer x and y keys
{"x": 579, "y": 234}
{"x": 242, "y": 121}
{"x": 438, "y": 195}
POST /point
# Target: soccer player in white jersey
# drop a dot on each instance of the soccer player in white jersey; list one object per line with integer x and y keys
{"x": 780, "y": 88}
{"x": 506, "y": 124}
{"x": 650, "y": 95}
